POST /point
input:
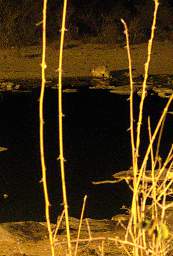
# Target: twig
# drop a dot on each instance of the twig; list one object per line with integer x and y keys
{"x": 85, "y": 240}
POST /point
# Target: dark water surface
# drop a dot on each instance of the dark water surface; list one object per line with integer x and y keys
{"x": 96, "y": 143}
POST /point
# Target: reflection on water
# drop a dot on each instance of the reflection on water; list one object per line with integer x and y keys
{"x": 96, "y": 142}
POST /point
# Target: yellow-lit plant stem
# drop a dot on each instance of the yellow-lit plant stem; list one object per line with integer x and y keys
{"x": 60, "y": 115}
{"x": 41, "y": 117}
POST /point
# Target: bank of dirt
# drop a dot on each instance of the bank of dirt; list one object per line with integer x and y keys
{"x": 24, "y": 63}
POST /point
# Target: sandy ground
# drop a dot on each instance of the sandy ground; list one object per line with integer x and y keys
{"x": 104, "y": 238}
{"x": 31, "y": 238}
{"x": 79, "y": 59}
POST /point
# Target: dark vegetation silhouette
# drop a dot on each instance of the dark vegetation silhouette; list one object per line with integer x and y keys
{"x": 90, "y": 21}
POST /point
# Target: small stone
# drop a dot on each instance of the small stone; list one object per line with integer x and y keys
{"x": 100, "y": 72}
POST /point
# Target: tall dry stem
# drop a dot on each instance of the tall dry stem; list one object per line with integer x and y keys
{"x": 60, "y": 113}
{"x": 133, "y": 149}
{"x": 146, "y": 70}
{"x": 139, "y": 124}
{"x": 41, "y": 117}
{"x": 131, "y": 93}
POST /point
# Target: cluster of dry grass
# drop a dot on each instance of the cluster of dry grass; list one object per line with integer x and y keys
{"x": 147, "y": 232}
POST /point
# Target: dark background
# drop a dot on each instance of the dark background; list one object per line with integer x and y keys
{"x": 89, "y": 21}
{"x": 96, "y": 145}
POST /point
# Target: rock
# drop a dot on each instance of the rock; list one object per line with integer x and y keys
{"x": 3, "y": 149}
{"x": 100, "y": 72}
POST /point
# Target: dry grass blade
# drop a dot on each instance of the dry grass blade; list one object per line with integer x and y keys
{"x": 58, "y": 225}
{"x": 80, "y": 224}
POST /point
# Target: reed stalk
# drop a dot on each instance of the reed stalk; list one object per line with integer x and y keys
{"x": 60, "y": 119}
{"x": 41, "y": 118}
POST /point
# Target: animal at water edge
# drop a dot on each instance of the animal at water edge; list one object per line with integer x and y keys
{"x": 100, "y": 72}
